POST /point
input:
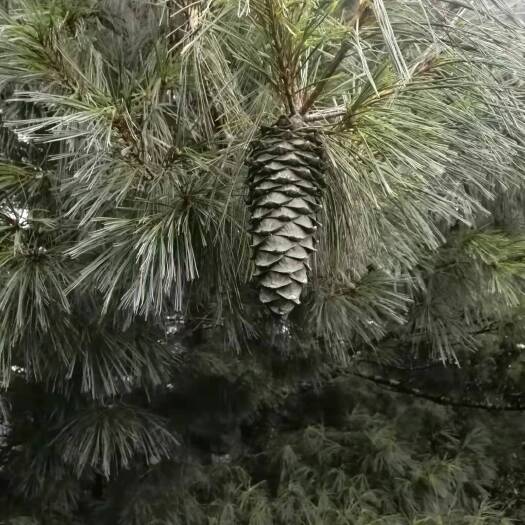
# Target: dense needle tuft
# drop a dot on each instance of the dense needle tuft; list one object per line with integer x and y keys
{"x": 285, "y": 181}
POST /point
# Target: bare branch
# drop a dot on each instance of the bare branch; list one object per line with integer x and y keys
{"x": 440, "y": 400}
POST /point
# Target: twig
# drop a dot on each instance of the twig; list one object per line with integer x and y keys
{"x": 329, "y": 72}
{"x": 282, "y": 66}
{"x": 440, "y": 400}
{"x": 428, "y": 366}
{"x": 325, "y": 114}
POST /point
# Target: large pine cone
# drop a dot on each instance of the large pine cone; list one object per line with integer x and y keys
{"x": 285, "y": 180}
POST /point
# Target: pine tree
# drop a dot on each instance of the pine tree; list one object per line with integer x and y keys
{"x": 262, "y": 262}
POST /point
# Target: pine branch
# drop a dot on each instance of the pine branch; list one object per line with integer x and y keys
{"x": 425, "y": 65}
{"x": 328, "y": 74}
{"x": 284, "y": 72}
{"x": 191, "y": 12}
{"x": 63, "y": 70}
{"x": 325, "y": 114}
{"x": 440, "y": 400}
{"x": 417, "y": 368}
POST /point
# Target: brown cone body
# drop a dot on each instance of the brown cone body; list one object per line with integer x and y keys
{"x": 285, "y": 180}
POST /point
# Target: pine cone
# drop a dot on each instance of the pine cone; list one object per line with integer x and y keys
{"x": 285, "y": 180}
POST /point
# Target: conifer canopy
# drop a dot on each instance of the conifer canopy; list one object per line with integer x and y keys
{"x": 262, "y": 262}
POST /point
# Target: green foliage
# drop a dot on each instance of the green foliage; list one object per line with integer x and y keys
{"x": 142, "y": 383}
{"x": 405, "y": 464}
